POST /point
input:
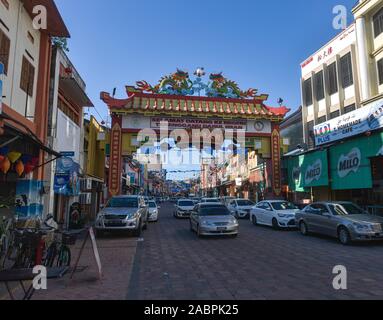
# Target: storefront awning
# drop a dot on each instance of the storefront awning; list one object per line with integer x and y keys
{"x": 11, "y": 133}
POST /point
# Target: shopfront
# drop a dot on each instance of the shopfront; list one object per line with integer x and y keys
{"x": 21, "y": 192}
{"x": 308, "y": 177}
{"x": 356, "y": 169}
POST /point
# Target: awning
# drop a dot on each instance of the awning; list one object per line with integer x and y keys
{"x": 72, "y": 89}
{"x": 11, "y": 133}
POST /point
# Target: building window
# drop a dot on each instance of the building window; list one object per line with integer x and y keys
{"x": 321, "y": 120}
{"x": 307, "y": 92}
{"x": 332, "y": 79}
{"x": 346, "y": 71}
{"x": 5, "y": 45}
{"x": 334, "y": 114}
{"x": 27, "y": 77}
{"x": 380, "y": 71}
{"x": 311, "y": 136}
{"x": 319, "y": 86}
{"x": 378, "y": 22}
{"x": 63, "y": 106}
{"x": 349, "y": 108}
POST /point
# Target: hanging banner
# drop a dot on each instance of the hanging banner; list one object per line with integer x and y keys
{"x": 67, "y": 181}
{"x": 29, "y": 202}
{"x": 365, "y": 119}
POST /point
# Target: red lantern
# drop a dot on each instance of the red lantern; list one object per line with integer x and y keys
{"x": 28, "y": 168}
{"x": 5, "y": 165}
{"x": 19, "y": 168}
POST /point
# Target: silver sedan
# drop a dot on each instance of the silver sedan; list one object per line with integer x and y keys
{"x": 343, "y": 220}
{"x": 213, "y": 219}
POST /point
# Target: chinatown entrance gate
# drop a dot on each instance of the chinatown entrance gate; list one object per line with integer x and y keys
{"x": 177, "y": 101}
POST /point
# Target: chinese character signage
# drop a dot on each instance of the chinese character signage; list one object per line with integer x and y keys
{"x": 276, "y": 162}
{"x": 362, "y": 120}
{"x": 115, "y": 161}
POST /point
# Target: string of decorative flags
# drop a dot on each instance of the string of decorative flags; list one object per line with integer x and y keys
{"x": 17, "y": 162}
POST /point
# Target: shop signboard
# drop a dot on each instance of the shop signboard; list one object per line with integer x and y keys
{"x": 350, "y": 163}
{"x": 67, "y": 180}
{"x": 308, "y": 170}
{"x": 362, "y": 120}
{"x": 314, "y": 169}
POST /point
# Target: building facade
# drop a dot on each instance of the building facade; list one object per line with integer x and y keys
{"x": 343, "y": 116}
{"x": 330, "y": 82}
{"x": 26, "y": 54}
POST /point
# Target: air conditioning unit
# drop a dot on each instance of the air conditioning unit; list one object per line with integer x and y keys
{"x": 85, "y": 198}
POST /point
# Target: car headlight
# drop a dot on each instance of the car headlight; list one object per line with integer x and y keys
{"x": 206, "y": 224}
{"x": 282, "y": 215}
{"x": 234, "y": 221}
{"x": 361, "y": 227}
{"x": 132, "y": 216}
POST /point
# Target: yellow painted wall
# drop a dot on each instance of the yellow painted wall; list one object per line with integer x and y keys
{"x": 96, "y": 151}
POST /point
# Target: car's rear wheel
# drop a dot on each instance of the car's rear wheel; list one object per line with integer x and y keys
{"x": 254, "y": 220}
{"x": 303, "y": 228}
{"x": 275, "y": 224}
{"x": 344, "y": 236}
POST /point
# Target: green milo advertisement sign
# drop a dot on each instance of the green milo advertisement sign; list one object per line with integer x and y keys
{"x": 350, "y": 162}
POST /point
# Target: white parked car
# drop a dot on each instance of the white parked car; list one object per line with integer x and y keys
{"x": 184, "y": 208}
{"x": 153, "y": 211}
{"x": 241, "y": 208}
{"x": 275, "y": 213}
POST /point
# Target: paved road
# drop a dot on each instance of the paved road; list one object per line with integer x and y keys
{"x": 172, "y": 263}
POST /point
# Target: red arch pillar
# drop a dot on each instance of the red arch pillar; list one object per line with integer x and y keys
{"x": 115, "y": 163}
{"x": 276, "y": 160}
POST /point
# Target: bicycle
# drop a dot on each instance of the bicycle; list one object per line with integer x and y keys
{"x": 59, "y": 253}
{"x": 5, "y": 238}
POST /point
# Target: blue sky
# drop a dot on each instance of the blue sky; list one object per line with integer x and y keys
{"x": 259, "y": 44}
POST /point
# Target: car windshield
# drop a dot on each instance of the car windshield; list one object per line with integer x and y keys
{"x": 122, "y": 203}
{"x": 186, "y": 204}
{"x": 214, "y": 211}
{"x": 283, "y": 205}
{"x": 152, "y": 205}
{"x": 244, "y": 203}
{"x": 346, "y": 209}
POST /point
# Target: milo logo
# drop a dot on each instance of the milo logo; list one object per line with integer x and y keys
{"x": 313, "y": 172}
{"x": 349, "y": 163}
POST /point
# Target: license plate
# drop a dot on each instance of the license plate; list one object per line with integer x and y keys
{"x": 115, "y": 222}
{"x": 221, "y": 229}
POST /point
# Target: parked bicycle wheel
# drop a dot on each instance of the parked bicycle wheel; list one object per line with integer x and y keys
{"x": 64, "y": 257}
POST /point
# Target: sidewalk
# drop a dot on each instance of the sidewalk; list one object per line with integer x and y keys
{"x": 117, "y": 257}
